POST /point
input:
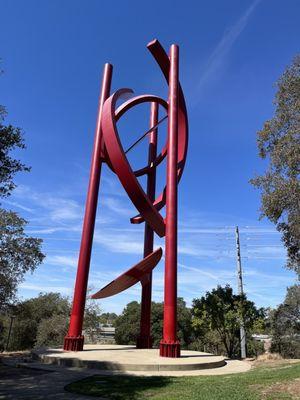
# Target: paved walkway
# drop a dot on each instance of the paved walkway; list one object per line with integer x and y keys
{"x": 37, "y": 381}
{"x": 27, "y": 383}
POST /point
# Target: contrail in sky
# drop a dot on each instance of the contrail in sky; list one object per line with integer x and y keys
{"x": 216, "y": 58}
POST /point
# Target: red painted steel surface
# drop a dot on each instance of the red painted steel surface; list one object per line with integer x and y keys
{"x": 163, "y": 61}
{"x": 169, "y": 346}
{"x": 121, "y": 165}
{"x": 108, "y": 148}
{"x": 130, "y": 277}
{"x": 144, "y": 341}
{"x": 74, "y": 338}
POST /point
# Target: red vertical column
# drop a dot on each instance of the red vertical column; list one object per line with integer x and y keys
{"x": 144, "y": 341}
{"x": 74, "y": 339}
{"x": 169, "y": 345}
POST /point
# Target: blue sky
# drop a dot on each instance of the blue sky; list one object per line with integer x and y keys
{"x": 232, "y": 52}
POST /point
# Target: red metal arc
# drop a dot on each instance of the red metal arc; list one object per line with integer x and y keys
{"x": 163, "y": 62}
{"x": 107, "y": 141}
{"x": 119, "y": 162}
{"x": 130, "y": 277}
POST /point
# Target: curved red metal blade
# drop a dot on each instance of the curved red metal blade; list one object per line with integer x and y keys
{"x": 130, "y": 277}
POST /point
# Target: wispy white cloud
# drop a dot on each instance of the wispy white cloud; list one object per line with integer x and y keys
{"x": 266, "y": 251}
{"x": 44, "y": 288}
{"x": 50, "y": 230}
{"x": 59, "y": 209}
{"x": 119, "y": 242}
{"x": 118, "y": 206}
{"x": 18, "y": 205}
{"x": 59, "y": 260}
{"x": 218, "y": 56}
{"x": 227, "y": 230}
{"x": 266, "y": 280}
{"x": 194, "y": 249}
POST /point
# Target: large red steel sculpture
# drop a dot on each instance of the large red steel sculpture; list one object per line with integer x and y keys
{"x": 108, "y": 149}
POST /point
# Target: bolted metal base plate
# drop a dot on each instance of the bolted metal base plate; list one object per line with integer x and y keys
{"x": 171, "y": 350}
{"x": 72, "y": 343}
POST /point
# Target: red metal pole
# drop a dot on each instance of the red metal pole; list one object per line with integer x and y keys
{"x": 74, "y": 339}
{"x": 169, "y": 345}
{"x": 144, "y": 341}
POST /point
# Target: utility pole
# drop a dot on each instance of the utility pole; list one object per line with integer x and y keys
{"x": 241, "y": 291}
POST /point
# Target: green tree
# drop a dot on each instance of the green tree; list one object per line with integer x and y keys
{"x": 19, "y": 253}
{"x": 38, "y": 321}
{"x": 44, "y": 320}
{"x": 91, "y": 318}
{"x": 11, "y": 138}
{"x": 108, "y": 318}
{"x": 128, "y": 323}
{"x": 279, "y": 142}
{"x": 286, "y": 325}
{"x": 209, "y": 342}
{"x": 51, "y": 331}
{"x": 157, "y": 315}
{"x": 218, "y": 314}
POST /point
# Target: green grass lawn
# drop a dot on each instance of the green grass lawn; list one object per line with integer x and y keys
{"x": 268, "y": 382}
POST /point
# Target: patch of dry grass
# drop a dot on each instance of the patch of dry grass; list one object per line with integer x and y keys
{"x": 273, "y": 360}
{"x": 280, "y": 390}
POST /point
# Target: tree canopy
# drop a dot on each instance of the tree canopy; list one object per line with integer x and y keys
{"x": 279, "y": 142}
{"x": 44, "y": 320}
{"x": 128, "y": 323}
{"x": 38, "y": 321}
{"x": 19, "y": 253}
{"x": 286, "y": 325}
{"x": 217, "y": 317}
{"x": 11, "y": 138}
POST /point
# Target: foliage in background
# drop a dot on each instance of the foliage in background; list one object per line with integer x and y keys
{"x": 212, "y": 325}
{"x": 91, "y": 320}
{"x": 107, "y": 319}
{"x": 43, "y": 321}
{"x": 19, "y": 253}
{"x": 212, "y": 322}
{"x": 34, "y": 321}
{"x": 11, "y": 138}
{"x": 51, "y": 331}
{"x": 286, "y": 325}
{"x": 128, "y": 323}
{"x": 216, "y": 320}
{"x": 279, "y": 141}
{"x": 184, "y": 327}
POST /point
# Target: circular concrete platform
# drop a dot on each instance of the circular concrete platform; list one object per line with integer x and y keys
{"x": 128, "y": 358}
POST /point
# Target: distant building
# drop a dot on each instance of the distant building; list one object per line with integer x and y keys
{"x": 106, "y": 331}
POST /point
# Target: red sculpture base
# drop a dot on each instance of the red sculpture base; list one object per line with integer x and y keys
{"x": 73, "y": 343}
{"x": 144, "y": 342}
{"x": 169, "y": 349}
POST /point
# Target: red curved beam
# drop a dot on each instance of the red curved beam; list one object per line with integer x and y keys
{"x": 163, "y": 62}
{"x": 130, "y": 277}
{"x": 127, "y": 105}
{"x": 121, "y": 165}
{"x": 182, "y": 140}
